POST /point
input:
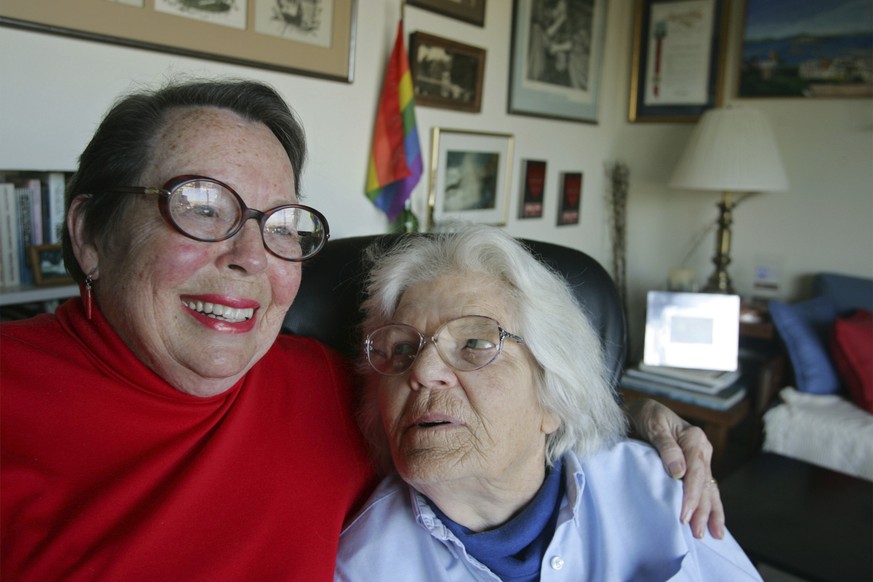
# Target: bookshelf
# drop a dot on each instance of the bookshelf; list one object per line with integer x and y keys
{"x": 32, "y": 210}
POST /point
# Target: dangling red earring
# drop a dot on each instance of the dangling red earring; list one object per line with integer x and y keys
{"x": 89, "y": 284}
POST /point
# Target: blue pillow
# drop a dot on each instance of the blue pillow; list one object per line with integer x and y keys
{"x": 805, "y": 328}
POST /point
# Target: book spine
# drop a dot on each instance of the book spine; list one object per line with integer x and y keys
{"x": 9, "y": 238}
{"x": 25, "y": 234}
{"x": 57, "y": 185}
{"x": 35, "y": 187}
{"x": 715, "y": 401}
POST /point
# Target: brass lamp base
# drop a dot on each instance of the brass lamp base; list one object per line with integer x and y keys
{"x": 720, "y": 280}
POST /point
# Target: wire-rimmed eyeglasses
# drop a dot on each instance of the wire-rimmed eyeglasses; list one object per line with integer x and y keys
{"x": 465, "y": 343}
{"x": 208, "y": 210}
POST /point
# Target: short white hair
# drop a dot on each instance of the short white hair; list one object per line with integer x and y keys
{"x": 572, "y": 376}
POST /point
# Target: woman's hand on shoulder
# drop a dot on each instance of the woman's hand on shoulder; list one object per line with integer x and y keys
{"x": 687, "y": 455}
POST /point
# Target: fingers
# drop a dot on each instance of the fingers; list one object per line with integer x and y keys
{"x": 709, "y": 513}
{"x": 696, "y": 500}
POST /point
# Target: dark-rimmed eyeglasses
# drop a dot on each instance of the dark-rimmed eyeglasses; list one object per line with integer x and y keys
{"x": 207, "y": 210}
{"x": 465, "y": 343}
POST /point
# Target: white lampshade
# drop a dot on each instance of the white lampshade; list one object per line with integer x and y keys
{"x": 731, "y": 150}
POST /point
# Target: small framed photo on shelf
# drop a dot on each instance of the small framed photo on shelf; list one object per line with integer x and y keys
{"x": 445, "y": 73}
{"x": 571, "y": 198}
{"x": 470, "y": 173}
{"x": 47, "y": 262}
{"x": 533, "y": 187}
{"x": 677, "y": 68}
{"x": 472, "y": 11}
{"x": 557, "y": 56}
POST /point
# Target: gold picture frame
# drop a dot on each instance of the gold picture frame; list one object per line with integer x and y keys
{"x": 47, "y": 263}
{"x": 259, "y": 33}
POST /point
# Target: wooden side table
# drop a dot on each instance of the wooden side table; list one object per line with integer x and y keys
{"x": 715, "y": 423}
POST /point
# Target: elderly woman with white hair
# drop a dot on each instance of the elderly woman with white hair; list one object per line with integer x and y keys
{"x": 508, "y": 444}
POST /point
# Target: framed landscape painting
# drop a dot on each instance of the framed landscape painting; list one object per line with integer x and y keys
{"x": 807, "y": 48}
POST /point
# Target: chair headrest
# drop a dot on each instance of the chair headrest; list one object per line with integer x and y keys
{"x": 327, "y": 306}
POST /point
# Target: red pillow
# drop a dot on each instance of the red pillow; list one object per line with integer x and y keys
{"x": 852, "y": 353}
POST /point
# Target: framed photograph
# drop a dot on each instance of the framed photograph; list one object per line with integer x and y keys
{"x": 692, "y": 330}
{"x": 446, "y": 73}
{"x": 831, "y": 55}
{"x": 472, "y": 11}
{"x": 677, "y": 67}
{"x": 533, "y": 185}
{"x": 470, "y": 172}
{"x": 47, "y": 262}
{"x": 557, "y": 55}
{"x": 571, "y": 198}
{"x": 308, "y": 37}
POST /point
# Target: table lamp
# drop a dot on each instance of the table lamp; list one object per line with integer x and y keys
{"x": 732, "y": 150}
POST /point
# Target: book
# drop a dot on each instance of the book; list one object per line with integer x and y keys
{"x": 721, "y": 400}
{"x": 11, "y": 275}
{"x": 54, "y": 211}
{"x": 703, "y": 378}
{"x": 26, "y": 235}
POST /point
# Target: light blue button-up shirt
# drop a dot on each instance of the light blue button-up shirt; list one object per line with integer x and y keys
{"x": 619, "y": 521}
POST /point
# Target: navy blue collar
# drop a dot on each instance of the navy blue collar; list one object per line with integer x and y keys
{"x": 515, "y": 550}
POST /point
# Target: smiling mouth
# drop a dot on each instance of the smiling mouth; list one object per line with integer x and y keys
{"x": 220, "y": 312}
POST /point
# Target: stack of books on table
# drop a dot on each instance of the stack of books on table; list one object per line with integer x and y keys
{"x": 709, "y": 388}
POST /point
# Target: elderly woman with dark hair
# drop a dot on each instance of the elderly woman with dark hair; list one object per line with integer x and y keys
{"x": 488, "y": 389}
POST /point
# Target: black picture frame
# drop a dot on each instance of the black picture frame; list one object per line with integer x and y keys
{"x": 445, "y": 73}
{"x": 687, "y": 100}
{"x": 472, "y": 11}
{"x": 533, "y": 189}
{"x": 571, "y": 198}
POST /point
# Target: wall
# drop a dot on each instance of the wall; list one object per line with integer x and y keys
{"x": 55, "y": 90}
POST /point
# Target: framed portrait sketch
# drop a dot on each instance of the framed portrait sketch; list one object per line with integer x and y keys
{"x": 830, "y": 55}
{"x": 557, "y": 55}
{"x": 470, "y": 172}
{"x": 571, "y": 198}
{"x": 308, "y": 37}
{"x": 446, "y": 73}
{"x": 533, "y": 186}
{"x": 472, "y": 11}
{"x": 677, "y": 68}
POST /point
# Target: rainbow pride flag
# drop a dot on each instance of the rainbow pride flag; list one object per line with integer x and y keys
{"x": 395, "y": 158}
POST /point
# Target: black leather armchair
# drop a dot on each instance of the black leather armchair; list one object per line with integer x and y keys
{"x": 327, "y": 305}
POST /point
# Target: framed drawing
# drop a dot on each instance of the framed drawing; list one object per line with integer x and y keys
{"x": 557, "y": 54}
{"x": 446, "y": 73}
{"x": 571, "y": 198}
{"x": 470, "y": 172}
{"x": 313, "y": 37}
{"x": 47, "y": 262}
{"x": 533, "y": 185}
{"x": 677, "y": 67}
{"x": 830, "y": 55}
{"x": 472, "y": 11}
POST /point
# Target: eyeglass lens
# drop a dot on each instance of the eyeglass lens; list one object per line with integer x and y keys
{"x": 466, "y": 343}
{"x": 209, "y": 211}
